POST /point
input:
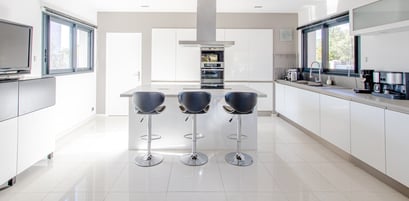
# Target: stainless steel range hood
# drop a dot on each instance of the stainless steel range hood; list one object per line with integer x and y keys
{"x": 206, "y": 26}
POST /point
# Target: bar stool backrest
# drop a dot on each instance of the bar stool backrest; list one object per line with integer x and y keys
{"x": 194, "y": 101}
{"x": 241, "y": 102}
{"x": 146, "y": 102}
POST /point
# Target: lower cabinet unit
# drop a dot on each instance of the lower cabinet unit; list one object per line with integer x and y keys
{"x": 8, "y": 146}
{"x": 397, "y": 146}
{"x": 264, "y": 104}
{"x": 335, "y": 121}
{"x": 36, "y": 138}
{"x": 279, "y": 97}
{"x": 368, "y": 134}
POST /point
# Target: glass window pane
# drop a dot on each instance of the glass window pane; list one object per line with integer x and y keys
{"x": 341, "y": 48}
{"x": 83, "y": 41}
{"x": 314, "y": 47}
{"x": 60, "y": 54}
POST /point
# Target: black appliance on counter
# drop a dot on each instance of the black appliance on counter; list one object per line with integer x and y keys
{"x": 212, "y": 67}
{"x": 393, "y": 85}
{"x": 366, "y": 76}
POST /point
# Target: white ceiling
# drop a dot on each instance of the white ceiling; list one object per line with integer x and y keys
{"x": 231, "y": 6}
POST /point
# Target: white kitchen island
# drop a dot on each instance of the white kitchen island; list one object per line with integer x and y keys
{"x": 171, "y": 124}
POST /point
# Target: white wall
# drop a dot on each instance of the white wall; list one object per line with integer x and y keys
{"x": 75, "y": 93}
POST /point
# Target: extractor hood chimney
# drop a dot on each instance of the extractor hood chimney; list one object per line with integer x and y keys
{"x": 206, "y": 26}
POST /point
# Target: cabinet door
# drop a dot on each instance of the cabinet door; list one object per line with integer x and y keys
{"x": 279, "y": 97}
{"x": 397, "y": 146}
{"x": 367, "y": 134}
{"x": 36, "y": 137}
{"x": 236, "y": 57}
{"x": 187, "y": 58}
{"x": 8, "y": 149}
{"x": 260, "y": 55}
{"x": 266, "y": 103}
{"x": 163, "y": 54}
{"x": 335, "y": 121}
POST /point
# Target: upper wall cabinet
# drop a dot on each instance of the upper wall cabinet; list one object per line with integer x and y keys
{"x": 171, "y": 61}
{"x": 251, "y": 57}
{"x": 381, "y": 16}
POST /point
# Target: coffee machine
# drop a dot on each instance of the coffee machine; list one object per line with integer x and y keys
{"x": 367, "y": 79}
{"x": 393, "y": 85}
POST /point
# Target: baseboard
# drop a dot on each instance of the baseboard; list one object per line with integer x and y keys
{"x": 347, "y": 156}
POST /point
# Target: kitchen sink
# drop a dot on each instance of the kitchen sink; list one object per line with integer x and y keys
{"x": 309, "y": 83}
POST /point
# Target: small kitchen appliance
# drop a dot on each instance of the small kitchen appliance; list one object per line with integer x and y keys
{"x": 393, "y": 85}
{"x": 293, "y": 74}
{"x": 366, "y": 76}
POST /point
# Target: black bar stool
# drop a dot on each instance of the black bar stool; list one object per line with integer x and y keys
{"x": 193, "y": 103}
{"x": 239, "y": 103}
{"x": 148, "y": 103}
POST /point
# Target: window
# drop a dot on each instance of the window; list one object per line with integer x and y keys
{"x": 68, "y": 45}
{"x": 329, "y": 43}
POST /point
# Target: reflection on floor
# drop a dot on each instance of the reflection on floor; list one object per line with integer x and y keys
{"x": 93, "y": 164}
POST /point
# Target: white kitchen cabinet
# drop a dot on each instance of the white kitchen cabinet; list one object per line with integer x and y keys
{"x": 380, "y": 16}
{"x": 368, "y": 134}
{"x": 266, "y": 103}
{"x": 36, "y": 137}
{"x": 187, "y": 57}
{"x": 279, "y": 97}
{"x": 260, "y": 55}
{"x": 302, "y": 107}
{"x": 236, "y": 57}
{"x": 163, "y": 54}
{"x": 250, "y": 58}
{"x": 8, "y": 153}
{"x": 397, "y": 146}
{"x": 335, "y": 121}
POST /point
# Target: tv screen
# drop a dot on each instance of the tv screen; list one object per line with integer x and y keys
{"x": 15, "y": 47}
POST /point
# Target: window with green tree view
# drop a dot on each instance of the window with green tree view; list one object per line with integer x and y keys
{"x": 330, "y": 43}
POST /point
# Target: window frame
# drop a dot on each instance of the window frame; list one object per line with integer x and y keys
{"x": 74, "y": 26}
{"x": 324, "y": 26}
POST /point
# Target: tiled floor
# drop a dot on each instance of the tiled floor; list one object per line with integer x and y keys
{"x": 93, "y": 163}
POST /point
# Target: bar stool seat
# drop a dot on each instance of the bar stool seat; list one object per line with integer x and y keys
{"x": 148, "y": 103}
{"x": 239, "y": 103}
{"x": 193, "y": 103}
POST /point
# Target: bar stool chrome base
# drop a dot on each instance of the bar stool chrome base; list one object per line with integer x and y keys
{"x": 148, "y": 160}
{"x": 238, "y": 159}
{"x": 192, "y": 159}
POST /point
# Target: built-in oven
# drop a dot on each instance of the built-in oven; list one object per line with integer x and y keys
{"x": 212, "y": 78}
{"x": 212, "y": 67}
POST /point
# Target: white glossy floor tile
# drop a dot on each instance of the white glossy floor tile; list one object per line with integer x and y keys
{"x": 250, "y": 178}
{"x": 93, "y": 163}
{"x": 114, "y": 196}
{"x": 197, "y": 196}
{"x": 75, "y": 196}
{"x": 255, "y": 196}
{"x": 195, "y": 178}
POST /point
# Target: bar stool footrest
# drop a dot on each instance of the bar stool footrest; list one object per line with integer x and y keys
{"x": 189, "y": 136}
{"x": 154, "y": 137}
{"x": 234, "y": 137}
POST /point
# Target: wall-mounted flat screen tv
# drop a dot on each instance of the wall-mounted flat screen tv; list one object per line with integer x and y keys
{"x": 15, "y": 47}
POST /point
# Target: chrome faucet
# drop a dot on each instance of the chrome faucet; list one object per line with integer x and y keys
{"x": 319, "y": 71}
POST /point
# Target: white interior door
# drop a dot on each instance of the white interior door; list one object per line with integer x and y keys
{"x": 123, "y": 69}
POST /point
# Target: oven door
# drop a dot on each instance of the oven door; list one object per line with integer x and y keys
{"x": 212, "y": 76}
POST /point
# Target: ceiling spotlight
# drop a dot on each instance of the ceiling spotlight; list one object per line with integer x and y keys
{"x": 258, "y": 6}
{"x": 144, "y": 6}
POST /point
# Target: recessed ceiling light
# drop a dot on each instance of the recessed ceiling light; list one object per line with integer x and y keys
{"x": 258, "y": 6}
{"x": 144, "y": 6}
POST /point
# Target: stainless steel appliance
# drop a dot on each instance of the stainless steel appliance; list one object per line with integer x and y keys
{"x": 367, "y": 79}
{"x": 293, "y": 74}
{"x": 212, "y": 67}
{"x": 393, "y": 85}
